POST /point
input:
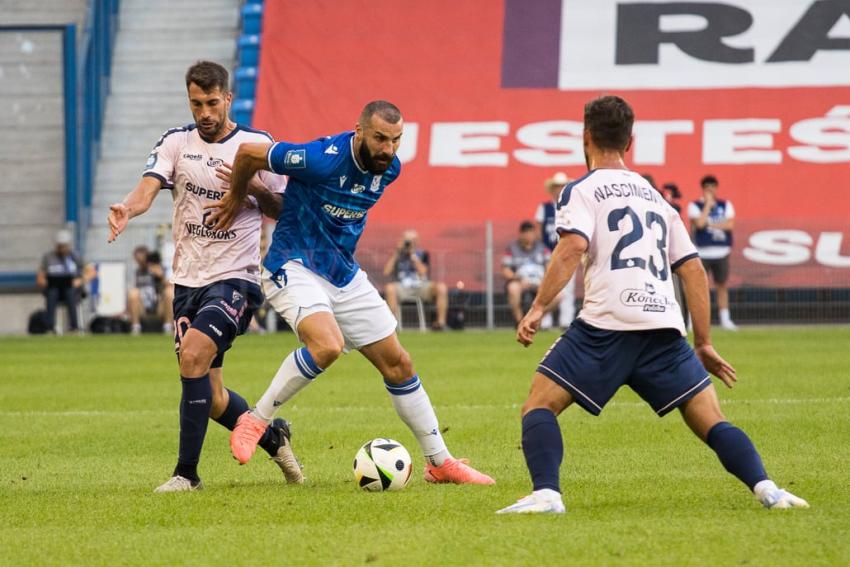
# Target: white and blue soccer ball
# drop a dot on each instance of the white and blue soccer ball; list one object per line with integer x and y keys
{"x": 382, "y": 464}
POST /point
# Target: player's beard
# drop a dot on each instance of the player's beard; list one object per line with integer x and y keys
{"x": 210, "y": 131}
{"x": 369, "y": 161}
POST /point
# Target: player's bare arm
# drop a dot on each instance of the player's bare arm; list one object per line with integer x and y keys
{"x": 270, "y": 203}
{"x": 562, "y": 266}
{"x": 696, "y": 292}
{"x": 728, "y": 224}
{"x": 137, "y": 202}
{"x": 250, "y": 158}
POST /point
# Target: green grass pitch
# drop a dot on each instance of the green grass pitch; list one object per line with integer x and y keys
{"x": 88, "y": 427}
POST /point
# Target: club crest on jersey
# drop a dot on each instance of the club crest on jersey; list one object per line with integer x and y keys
{"x": 295, "y": 159}
{"x": 376, "y": 184}
{"x": 214, "y": 162}
{"x": 332, "y": 150}
{"x": 357, "y": 188}
{"x": 151, "y": 161}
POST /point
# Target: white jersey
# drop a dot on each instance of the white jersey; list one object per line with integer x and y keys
{"x": 635, "y": 240}
{"x": 186, "y": 164}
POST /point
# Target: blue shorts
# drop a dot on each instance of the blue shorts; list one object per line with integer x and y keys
{"x": 592, "y": 364}
{"x": 221, "y": 310}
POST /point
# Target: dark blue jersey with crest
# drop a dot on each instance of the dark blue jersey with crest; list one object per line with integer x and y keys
{"x": 325, "y": 205}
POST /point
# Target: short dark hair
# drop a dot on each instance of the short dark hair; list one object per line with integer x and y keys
{"x": 609, "y": 119}
{"x": 386, "y": 110}
{"x": 208, "y": 75}
{"x": 526, "y": 225}
{"x": 708, "y": 180}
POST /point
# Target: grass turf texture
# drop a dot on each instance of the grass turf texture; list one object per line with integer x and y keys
{"x": 88, "y": 427}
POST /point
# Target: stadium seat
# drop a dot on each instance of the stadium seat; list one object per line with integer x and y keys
{"x": 249, "y": 50}
{"x": 420, "y": 312}
{"x": 246, "y": 82}
{"x": 252, "y": 18}
{"x": 242, "y": 111}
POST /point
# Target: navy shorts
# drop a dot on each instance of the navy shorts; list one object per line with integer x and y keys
{"x": 221, "y": 310}
{"x": 592, "y": 364}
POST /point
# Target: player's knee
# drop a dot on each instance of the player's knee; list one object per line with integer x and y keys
{"x": 194, "y": 359}
{"x": 441, "y": 289}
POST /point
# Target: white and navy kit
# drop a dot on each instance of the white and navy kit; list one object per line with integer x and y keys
{"x": 216, "y": 273}
{"x": 545, "y": 215}
{"x": 713, "y": 244}
{"x": 630, "y": 329}
{"x": 310, "y": 266}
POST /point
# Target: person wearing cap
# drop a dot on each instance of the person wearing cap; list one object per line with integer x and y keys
{"x": 60, "y": 277}
{"x": 545, "y": 221}
{"x": 523, "y": 265}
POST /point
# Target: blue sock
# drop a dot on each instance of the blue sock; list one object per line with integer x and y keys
{"x": 194, "y": 415}
{"x": 737, "y": 453}
{"x": 543, "y": 448}
{"x": 236, "y": 406}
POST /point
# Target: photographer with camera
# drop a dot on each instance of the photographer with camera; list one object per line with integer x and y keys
{"x": 408, "y": 267}
{"x": 151, "y": 294}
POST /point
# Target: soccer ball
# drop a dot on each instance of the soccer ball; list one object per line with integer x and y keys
{"x": 382, "y": 464}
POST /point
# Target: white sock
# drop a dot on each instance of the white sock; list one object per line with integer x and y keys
{"x": 413, "y": 406}
{"x": 763, "y": 486}
{"x": 297, "y": 371}
{"x": 725, "y": 316}
{"x": 548, "y": 494}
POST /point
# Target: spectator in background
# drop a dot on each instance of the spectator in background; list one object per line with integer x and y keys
{"x": 61, "y": 278}
{"x": 523, "y": 266}
{"x": 545, "y": 221}
{"x": 671, "y": 194}
{"x": 712, "y": 221}
{"x": 408, "y": 266}
{"x": 151, "y": 295}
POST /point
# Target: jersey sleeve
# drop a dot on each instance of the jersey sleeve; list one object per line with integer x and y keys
{"x": 575, "y": 214}
{"x": 681, "y": 247}
{"x": 540, "y": 213}
{"x": 274, "y": 182}
{"x": 163, "y": 158}
{"x": 694, "y": 211}
{"x": 305, "y": 162}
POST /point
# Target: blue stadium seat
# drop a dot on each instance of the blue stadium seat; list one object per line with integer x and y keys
{"x": 249, "y": 50}
{"x": 242, "y": 111}
{"x": 252, "y": 18}
{"x": 246, "y": 82}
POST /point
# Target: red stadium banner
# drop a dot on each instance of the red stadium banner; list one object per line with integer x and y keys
{"x": 754, "y": 92}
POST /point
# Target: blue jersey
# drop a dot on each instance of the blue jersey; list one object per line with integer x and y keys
{"x": 325, "y": 205}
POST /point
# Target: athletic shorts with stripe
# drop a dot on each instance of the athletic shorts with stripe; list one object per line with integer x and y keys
{"x": 296, "y": 292}
{"x": 592, "y": 364}
{"x": 220, "y": 310}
